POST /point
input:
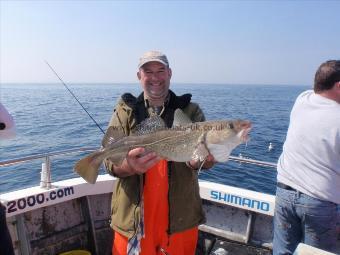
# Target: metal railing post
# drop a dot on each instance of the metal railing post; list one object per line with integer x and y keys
{"x": 45, "y": 177}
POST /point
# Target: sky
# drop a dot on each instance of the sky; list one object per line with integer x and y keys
{"x": 227, "y": 42}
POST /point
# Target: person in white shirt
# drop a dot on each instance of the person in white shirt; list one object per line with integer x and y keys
{"x": 7, "y": 130}
{"x": 7, "y": 126}
{"x": 308, "y": 180}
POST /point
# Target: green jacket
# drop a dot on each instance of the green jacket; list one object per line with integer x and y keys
{"x": 185, "y": 207}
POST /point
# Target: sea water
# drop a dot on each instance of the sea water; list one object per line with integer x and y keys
{"x": 49, "y": 119}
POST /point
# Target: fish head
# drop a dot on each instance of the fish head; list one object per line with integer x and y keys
{"x": 224, "y": 136}
{"x": 242, "y": 129}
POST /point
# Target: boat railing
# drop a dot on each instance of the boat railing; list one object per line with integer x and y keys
{"x": 45, "y": 176}
{"x": 252, "y": 161}
{"x": 45, "y": 181}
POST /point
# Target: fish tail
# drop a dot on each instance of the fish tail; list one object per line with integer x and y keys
{"x": 88, "y": 167}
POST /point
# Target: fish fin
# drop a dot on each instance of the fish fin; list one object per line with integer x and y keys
{"x": 112, "y": 135}
{"x": 88, "y": 167}
{"x": 117, "y": 158}
{"x": 222, "y": 149}
{"x": 180, "y": 119}
{"x": 220, "y": 152}
{"x": 150, "y": 125}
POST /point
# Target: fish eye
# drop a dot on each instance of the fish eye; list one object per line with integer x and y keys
{"x": 230, "y": 125}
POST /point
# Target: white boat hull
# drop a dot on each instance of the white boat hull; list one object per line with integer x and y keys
{"x": 75, "y": 215}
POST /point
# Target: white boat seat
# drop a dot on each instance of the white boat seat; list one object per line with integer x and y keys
{"x": 304, "y": 249}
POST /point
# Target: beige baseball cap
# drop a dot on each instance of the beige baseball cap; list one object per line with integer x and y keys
{"x": 151, "y": 56}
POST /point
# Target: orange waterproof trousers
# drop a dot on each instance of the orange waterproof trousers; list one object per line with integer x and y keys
{"x": 156, "y": 220}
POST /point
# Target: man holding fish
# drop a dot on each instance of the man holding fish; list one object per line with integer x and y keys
{"x": 164, "y": 230}
{"x": 155, "y": 144}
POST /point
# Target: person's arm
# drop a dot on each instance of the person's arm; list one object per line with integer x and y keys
{"x": 7, "y": 126}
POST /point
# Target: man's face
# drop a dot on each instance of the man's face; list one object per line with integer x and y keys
{"x": 155, "y": 80}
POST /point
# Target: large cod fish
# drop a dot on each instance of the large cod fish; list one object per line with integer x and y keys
{"x": 181, "y": 143}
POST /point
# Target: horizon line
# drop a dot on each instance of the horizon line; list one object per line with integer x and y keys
{"x": 172, "y": 83}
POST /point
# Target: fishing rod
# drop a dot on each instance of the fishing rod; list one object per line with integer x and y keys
{"x": 74, "y": 97}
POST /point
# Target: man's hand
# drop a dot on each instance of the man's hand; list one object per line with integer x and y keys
{"x": 137, "y": 161}
{"x": 208, "y": 163}
{"x": 140, "y": 161}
